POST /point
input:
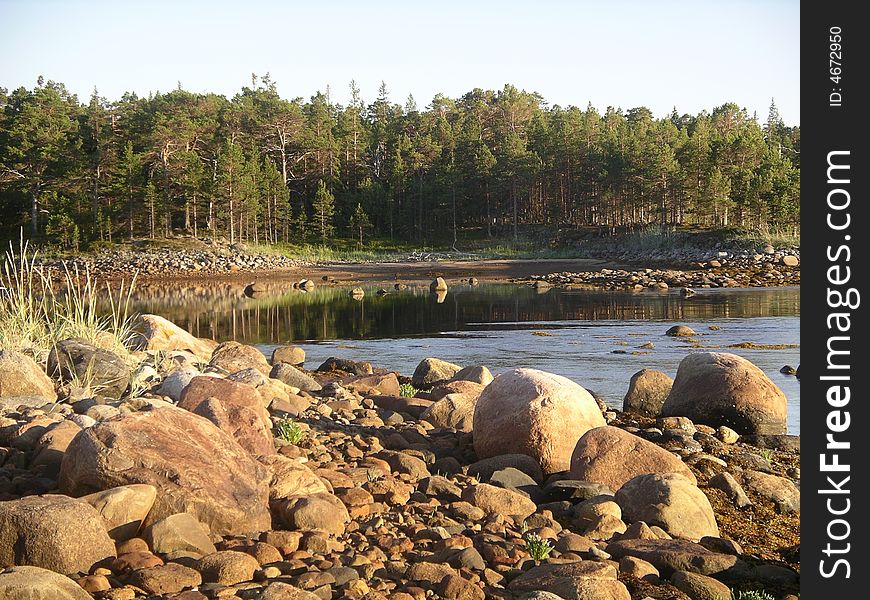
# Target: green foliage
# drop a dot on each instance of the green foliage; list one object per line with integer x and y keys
{"x": 324, "y": 211}
{"x": 259, "y": 168}
{"x": 373, "y": 475}
{"x": 407, "y": 390}
{"x": 538, "y": 547}
{"x": 289, "y": 430}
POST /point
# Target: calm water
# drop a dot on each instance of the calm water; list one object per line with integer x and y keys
{"x": 592, "y": 337}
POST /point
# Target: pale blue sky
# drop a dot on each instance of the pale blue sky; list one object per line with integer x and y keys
{"x": 692, "y": 54}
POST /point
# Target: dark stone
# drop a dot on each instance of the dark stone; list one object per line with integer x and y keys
{"x": 105, "y": 372}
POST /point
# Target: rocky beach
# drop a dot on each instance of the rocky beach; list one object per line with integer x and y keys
{"x": 188, "y": 468}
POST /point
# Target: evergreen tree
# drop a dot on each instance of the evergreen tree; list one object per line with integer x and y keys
{"x": 359, "y": 222}
{"x": 324, "y": 211}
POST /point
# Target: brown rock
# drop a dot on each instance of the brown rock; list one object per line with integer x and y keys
{"x": 170, "y": 578}
{"x": 236, "y": 408}
{"x": 375, "y": 384}
{"x": 496, "y": 500}
{"x": 429, "y": 572}
{"x": 132, "y": 561}
{"x": 51, "y": 446}
{"x": 433, "y": 370}
{"x": 670, "y": 501}
{"x": 279, "y": 590}
{"x": 179, "y": 533}
{"x": 196, "y": 468}
{"x": 700, "y": 587}
{"x": 291, "y": 478}
{"x": 639, "y": 568}
{"x": 647, "y": 392}
{"x": 123, "y": 508}
{"x": 562, "y": 579}
{"x": 669, "y": 556}
{"x": 410, "y": 406}
{"x": 717, "y": 388}
{"x": 454, "y": 587}
{"x": 292, "y": 355}
{"x": 34, "y": 583}
{"x": 320, "y": 512}
{"x": 782, "y": 492}
{"x": 53, "y": 532}
{"x": 233, "y": 356}
{"x": 21, "y": 376}
{"x": 612, "y": 456}
{"x": 453, "y": 410}
{"x": 475, "y": 374}
{"x": 531, "y": 412}
{"x": 227, "y": 567}
{"x": 161, "y": 334}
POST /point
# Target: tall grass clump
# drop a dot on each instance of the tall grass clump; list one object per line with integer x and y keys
{"x": 36, "y": 311}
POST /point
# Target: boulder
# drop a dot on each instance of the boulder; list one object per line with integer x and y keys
{"x": 476, "y": 373}
{"x": 170, "y": 578}
{"x": 499, "y": 501}
{"x": 484, "y": 469}
{"x": 21, "y": 376}
{"x": 612, "y": 456}
{"x": 233, "y": 356}
{"x": 53, "y": 532}
{"x": 235, "y": 408}
{"x": 317, "y": 512}
{"x": 647, "y": 392}
{"x": 175, "y": 381}
{"x": 292, "y": 355}
{"x": 414, "y": 407}
{"x": 161, "y": 334}
{"x": 526, "y": 411}
{"x": 180, "y": 532}
{"x": 101, "y": 370}
{"x": 789, "y": 260}
{"x": 669, "y": 556}
{"x": 51, "y": 446}
{"x": 375, "y": 384}
{"x": 291, "y": 478}
{"x": 670, "y": 501}
{"x": 195, "y": 466}
{"x": 779, "y": 490}
{"x": 431, "y": 371}
{"x": 468, "y": 388}
{"x": 454, "y": 410}
{"x": 438, "y": 285}
{"x": 34, "y": 583}
{"x": 718, "y": 388}
{"x": 700, "y": 587}
{"x": 348, "y": 366}
{"x": 681, "y": 331}
{"x": 123, "y": 508}
{"x": 581, "y": 580}
{"x": 290, "y": 375}
{"x": 228, "y": 567}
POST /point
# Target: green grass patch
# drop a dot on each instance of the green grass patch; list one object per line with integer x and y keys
{"x": 36, "y": 311}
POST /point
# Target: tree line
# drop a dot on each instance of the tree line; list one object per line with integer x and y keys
{"x": 264, "y": 169}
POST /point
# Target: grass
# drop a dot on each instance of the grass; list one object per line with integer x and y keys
{"x": 289, "y": 430}
{"x": 406, "y": 390}
{"x": 751, "y": 595}
{"x": 766, "y": 454}
{"x": 36, "y": 311}
{"x": 538, "y": 547}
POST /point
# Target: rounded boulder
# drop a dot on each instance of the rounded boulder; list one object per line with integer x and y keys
{"x": 719, "y": 388}
{"x": 542, "y": 415}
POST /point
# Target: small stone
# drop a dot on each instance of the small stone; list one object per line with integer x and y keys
{"x": 228, "y": 567}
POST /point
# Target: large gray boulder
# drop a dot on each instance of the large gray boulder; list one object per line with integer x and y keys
{"x": 647, "y": 392}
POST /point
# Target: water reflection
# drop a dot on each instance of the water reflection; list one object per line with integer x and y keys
{"x": 280, "y": 313}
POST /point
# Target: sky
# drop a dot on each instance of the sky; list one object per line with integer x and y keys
{"x": 692, "y": 55}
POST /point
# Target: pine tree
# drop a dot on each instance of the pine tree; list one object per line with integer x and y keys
{"x": 324, "y": 211}
{"x": 359, "y": 222}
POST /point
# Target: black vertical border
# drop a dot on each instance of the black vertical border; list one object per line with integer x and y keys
{"x": 826, "y": 128}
